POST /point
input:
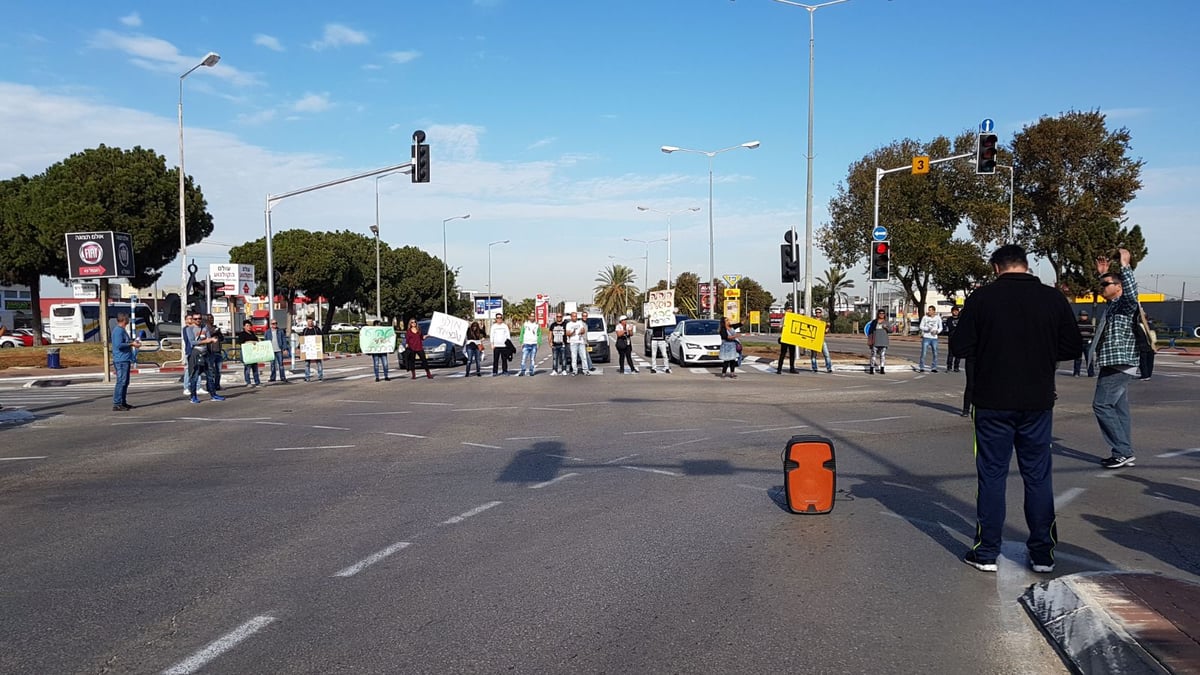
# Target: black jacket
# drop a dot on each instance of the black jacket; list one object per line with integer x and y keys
{"x": 1016, "y": 330}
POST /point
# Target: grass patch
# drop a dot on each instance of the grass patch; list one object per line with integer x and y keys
{"x": 74, "y": 355}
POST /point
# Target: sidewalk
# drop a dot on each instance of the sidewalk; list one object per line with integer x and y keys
{"x": 1120, "y": 622}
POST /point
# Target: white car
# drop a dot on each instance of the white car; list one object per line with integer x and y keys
{"x": 10, "y": 341}
{"x": 342, "y": 328}
{"x": 695, "y": 342}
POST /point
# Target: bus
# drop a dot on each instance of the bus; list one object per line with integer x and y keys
{"x": 80, "y": 321}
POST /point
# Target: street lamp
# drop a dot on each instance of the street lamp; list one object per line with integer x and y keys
{"x": 209, "y": 61}
{"x": 378, "y": 304}
{"x": 647, "y": 259}
{"x": 668, "y": 214}
{"x": 712, "y": 273}
{"x": 445, "y": 270}
{"x": 808, "y": 193}
{"x": 1012, "y": 189}
{"x": 502, "y": 241}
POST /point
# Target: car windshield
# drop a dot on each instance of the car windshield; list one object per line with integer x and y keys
{"x": 702, "y": 327}
{"x": 595, "y": 324}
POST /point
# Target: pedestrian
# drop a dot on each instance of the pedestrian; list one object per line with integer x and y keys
{"x": 790, "y": 352}
{"x": 313, "y": 330}
{"x": 379, "y": 361}
{"x": 247, "y": 335}
{"x": 202, "y": 338}
{"x": 216, "y": 353}
{"x": 558, "y": 345}
{"x": 624, "y": 334}
{"x": 587, "y": 352}
{"x": 185, "y": 336}
{"x": 949, "y": 323}
{"x": 1114, "y": 351}
{"x": 499, "y": 337}
{"x": 122, "y": 356}
{"x": 474, "y": 348}
{"x": 818, "y": 315}
{"x": 279, "y": 344}
{"x": 577, "y": 339}
{"x": 877, "y": 340}
{"x": 414, "y": 347}
{"x": 1147, "y": 341}
{"x": 1087, "y": 331}
{"x": 531, "y": 334}
{"x": 730, "y": 348}
{"x": 931, "y": 327}
{"x": 658, "y": 347}
{"x": 968, "y": 386}
{"x": 1013, "y": 332}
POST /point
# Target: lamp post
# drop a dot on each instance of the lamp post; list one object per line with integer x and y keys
{"x": 502, "y": 241}
{"x": 209, "y": 61}
{"x": 1012, "y": 189}
{"x": 378, "y": 304}
{"x": 445, "y": 269}
{"x": 647, "y": 243}
{"x": 712, "y": 273}
{"x": 668, "y": 214}
{"x": 808, "y": 193}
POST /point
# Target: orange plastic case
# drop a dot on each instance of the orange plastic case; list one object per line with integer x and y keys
{"x": 809, "y": 474}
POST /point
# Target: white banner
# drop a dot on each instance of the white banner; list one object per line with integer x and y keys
{"x": 449, "y": 328}
{"x": 312, "y": 347}
{"x": 661, "y": 308}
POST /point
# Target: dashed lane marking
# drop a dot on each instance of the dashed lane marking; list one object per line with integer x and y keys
{"x": 1177, "y": 453}
{"x": 318, "y": 447}
{"x": 621, "y": 459}
{"x": 1067, "y": 497}
{"x": 873, "y": 419}
{"x": 15, "y": 459}
{"x": 473, "y": 512}
{"x": 660, "y": 431}
{"x": 552, "y": 481}
{"x": 371, "y": 559}
{"x": 759, "y": 431}
{"x": 481, "y": 445}
{"x": 388, "y": 412}
{"x": 429, "y": 403}
{"x": 694, "y": 440}
{"x": 221, "y": 645}
{"x": 318, "y": 426}
{"x": 573, "y": 459}
{"x": 397, "y": 433}
{"x": 753, "y": 487}
{"x": 503, "y": 407}
{"x": 530, "y": 438}
{"x": 141, "y": 422}
{"x": 663, "y": 472}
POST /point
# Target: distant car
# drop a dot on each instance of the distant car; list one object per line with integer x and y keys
{"x": 439, "y": 352}
{"x": 343, "y": 328}
{"x": 695, "y": 342}
{"x": 25, "y": 335}
{"x": 667, "y": 330}
{"x": 7, "y": 341}
{"x": 597, "y": 337}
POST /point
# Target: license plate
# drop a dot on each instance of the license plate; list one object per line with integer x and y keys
{"x": 589, "y": 349}
{"x": 714, "y": 353}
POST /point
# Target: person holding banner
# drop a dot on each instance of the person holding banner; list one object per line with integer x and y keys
{"x": 414, "y": 343}
{"x": 379, "y": 360}
{"x": 817, "y": 314}
{"x": 244, "y": 336}
{"x": 312, "y": 330}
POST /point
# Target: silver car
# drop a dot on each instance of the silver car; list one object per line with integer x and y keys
{"x": 695, "y": 342}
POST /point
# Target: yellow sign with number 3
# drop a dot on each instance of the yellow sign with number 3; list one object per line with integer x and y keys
{"x": 920, "y": 164}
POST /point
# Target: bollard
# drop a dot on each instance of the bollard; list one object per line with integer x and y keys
{"x": 52, "y": 358}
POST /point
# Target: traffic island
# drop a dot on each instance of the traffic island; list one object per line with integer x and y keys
{"x": 1120, "y": 622}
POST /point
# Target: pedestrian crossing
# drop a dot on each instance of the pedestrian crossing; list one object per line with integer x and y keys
{"x": 641, "y": 363}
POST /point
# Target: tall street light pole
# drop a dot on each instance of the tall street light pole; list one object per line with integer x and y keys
{"x": 378, "y": 303}
{"x": 646, "y": 243}
{"x": 808, "y": 195}
{"x": 445, "y": 269}
{"x": 502, "y": 241}
{"x": 712, "y": 272}
{"x": 209, "y": 61}
{"x": 668, "y": 214}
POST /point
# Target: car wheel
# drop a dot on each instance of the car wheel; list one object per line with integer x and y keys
{"x": 1196, "y": 332}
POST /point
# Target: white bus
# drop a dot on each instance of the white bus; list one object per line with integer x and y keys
{"x": 80, "y": 321}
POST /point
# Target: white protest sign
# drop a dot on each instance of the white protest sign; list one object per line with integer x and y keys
{"x": 449, "y": 328}
{"x": 661, "y": 308}
{"x": 312, "y": 347}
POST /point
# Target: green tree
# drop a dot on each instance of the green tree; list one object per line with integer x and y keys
{"x": 521, "y": 309}
{"x": 836, "y": 283}
{"x": 754, "y": 297}
{"x": 686, "y": 288}
{"x": 22, "y": 260}
{"x": 964, "y": 267}
{"x": 1074, "y": 178}
{"x": 616, "y": 293}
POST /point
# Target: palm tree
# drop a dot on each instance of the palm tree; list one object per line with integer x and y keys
{"x": 616, "y": 292}
{"x": 836, "y": 283}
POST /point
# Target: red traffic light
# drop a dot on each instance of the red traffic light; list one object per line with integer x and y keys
{"x": 881, "y": 247}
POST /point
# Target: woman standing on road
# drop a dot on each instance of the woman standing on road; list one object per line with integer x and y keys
{"x": 474, "y": 348}
{"x": 414, "y": 344}
{"x": 730, "y": 346}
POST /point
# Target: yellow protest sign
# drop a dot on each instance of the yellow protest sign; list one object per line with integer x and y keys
{"x": 802, "y": 331}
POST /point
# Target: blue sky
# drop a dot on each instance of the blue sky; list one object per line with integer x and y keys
{"x": 546, "y": 117}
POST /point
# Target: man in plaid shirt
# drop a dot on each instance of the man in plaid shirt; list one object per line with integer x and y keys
{"x": 1116, "y": 356}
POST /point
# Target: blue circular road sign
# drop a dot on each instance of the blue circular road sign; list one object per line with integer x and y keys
{"x": 879, "y": 233}
{"x": 986, "y": 126}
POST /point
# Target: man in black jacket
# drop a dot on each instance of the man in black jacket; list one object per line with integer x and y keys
{"x": 1013, "y": 332}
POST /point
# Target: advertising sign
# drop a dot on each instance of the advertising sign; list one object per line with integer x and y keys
{"x": 660, "y": 309}
{"x": 485, "y": 307}
{"x": 99, "y": 255}
{"x": 377, "y": 339}
{"x": 449, "y": 328}
{"x": 541, "y": 308}
{"x": 312, "y": 348}
{"x": 803, "y": 331}
{"x": 257, "y": 352}
{"x": 733, "y": 310}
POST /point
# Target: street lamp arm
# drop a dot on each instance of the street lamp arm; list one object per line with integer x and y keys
{"x": 811, "y": 8}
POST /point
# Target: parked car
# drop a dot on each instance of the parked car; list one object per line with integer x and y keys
{"x": 439, "y": 352}
{"x": 343, "y": 328}
{"x": 25, "y": 335}
{"x": 695, "y": 341}
{"x": 7, "y": 341}
{"x": 667, "y": 330}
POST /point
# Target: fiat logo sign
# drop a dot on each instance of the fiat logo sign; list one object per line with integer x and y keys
{"x": 123, "y": 254}
{"x": 91, "y": 252}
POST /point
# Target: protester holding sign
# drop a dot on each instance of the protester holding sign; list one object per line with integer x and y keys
{"x": 245, "y": 337}
{"x": 314, "y": 351}
{"x": 414, "y": 344}
{"x": 378, "y": 341}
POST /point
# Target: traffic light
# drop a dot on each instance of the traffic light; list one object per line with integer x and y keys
{"x": 881, "y": 264}
{"x": 420, "y": 158}
{"x": 216, "y": 289}
{"x": 789, "y": 262}
{"x": 985, "y": 154}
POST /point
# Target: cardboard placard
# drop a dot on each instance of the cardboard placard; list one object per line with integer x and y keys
{"x": 377, "y": 339}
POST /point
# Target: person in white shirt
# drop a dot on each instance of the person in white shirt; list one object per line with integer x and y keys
{"x": 577, "y": 338}
{"x": 499, "y": 337}
{"x": 530, "y": 334}
{"x": 624, "y": 333}
{"x": 931, "y": 325}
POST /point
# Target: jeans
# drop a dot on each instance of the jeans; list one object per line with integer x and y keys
{"x": 308, "y": 370}
{"x": 122, "y": 386}
{"x": 825, "y": 351}
{"x": 379, "y": 362}
{"x": 997, "y": 434}
{"x": 249, "y": 368}
{"x": 474, "y": 355}
{"x": 528, "y": 355}
{"x": 659, "y": 347}
{"x": 932, "y": 345}
{"x": 277, "y": 365}
{"x": 560, "y": 358}
{"x": 213, "y": 375}
{"x": 579, "y": 357}
{"x": 198, "y": 361}
{"x": 1111, "y": 405}
{"x": 1091, "y": 367}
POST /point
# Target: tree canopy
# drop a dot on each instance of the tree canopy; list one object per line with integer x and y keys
{"x": 615, "y": 293}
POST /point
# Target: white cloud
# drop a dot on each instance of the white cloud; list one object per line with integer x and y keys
{"x": 268, "y": 41}
{"x": 260, "y": 117}
{"x": 406, "y": 56}
{"x": 132, "y": 20}
{"x": 160, "y": 56}
{"x": 541, "y": 143}
{"x": 337, "y": 35}
{"x": 312, "y": 103}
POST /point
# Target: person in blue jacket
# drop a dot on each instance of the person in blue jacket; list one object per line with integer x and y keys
{"x": 122, "y": 356}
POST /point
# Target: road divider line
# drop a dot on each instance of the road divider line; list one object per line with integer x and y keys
{"x": 371, "y": 559}
{"x": 481, "y": 445}
{"x": 618, "y": 460}
{"x": 759, "y": 431}
{"x": 346, "y": 400}
{"x": 397, "y": 433}
{"x": 552, "y": 481}
{"x": 873, "y": 419}
{"x": 273, "y": 424}
{"x": 14, "y": 459}
{"x": 694, "y": 440}
{"x": 530, "y": 438}
{"x": 503, "y": 407}
{"x": 428, "y": 403}
{"x": 660, "y": 431}
{"x": 473, "y": 512}
{"x": 753, "y": 487}
{"x": 553, "y": 409}
{"x": 219, "y": 646}
{"x": 649, "y": 470}
{"x": 319, "y": 447}
{"x": 220, "y": 419}
{"x": 318, "y": 426}
{"x": 1194, "y": 480}
{"x": 389, "y": 412}
{"x": 1177, "y": 453}
{"x": 120, "y": 424}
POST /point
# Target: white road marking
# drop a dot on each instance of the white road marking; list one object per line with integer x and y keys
{"x": 538, "y": 486}
{"x": 318, "y": 426}
{"x": 573, "y": 459}
{"x": 553, "y": 409}
{"x": 219, "y": 419}
{"x": 319, "y": 447}
{"x": 357, "y": 377}
{"x": 648, "y": 470}
{"x": 1177, "y": 453}
{"x": 529, "y": 438}
{"x": 389, "y": 412}
{"x": 660, "y": 431}
{"x": 503, "y": 407}
{"x": 753, "y": 487}
{"x": 873, "y": 419}
{"x": 274, "y": 424}
{"x": 426, "y": 403}
{"x": 473, "y": 512}
{"x": 1194, "y": 480}
{"x": 13, "y": 459}
{"x": 397, "y": 433}
{"x": 219, "y": 646}
{"x": 117, "y": 424}
{"x": 1067, "y": 497}
{"x": 481, "y": 445}
{"x": 759, "y": 431}
{"x": 372, "y": 559}
{"x": 621, "y": 459}
{"x": 694, "y": 440}
{"x": 346, "y": 400}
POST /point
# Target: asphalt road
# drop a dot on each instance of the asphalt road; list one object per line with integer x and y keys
{"x": 551, "y": 524}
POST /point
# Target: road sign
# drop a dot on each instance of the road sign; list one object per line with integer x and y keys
{"x": 879, "y": 233}
{"x": 731, "y": 279}
{"x": 986, "y": 126}
{"x": 733, "y": 292}
{"x": 920, "y": 164}
{"x": 85, "y": 291}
